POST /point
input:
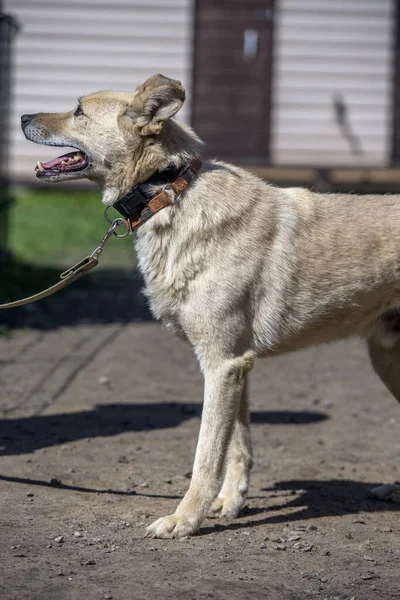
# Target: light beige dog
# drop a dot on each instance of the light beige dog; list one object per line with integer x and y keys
{"x": 239, "y": 268}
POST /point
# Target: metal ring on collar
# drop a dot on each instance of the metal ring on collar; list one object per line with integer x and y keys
{"x": 118, "y": 221}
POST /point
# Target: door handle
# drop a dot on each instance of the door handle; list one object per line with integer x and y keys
{"x": 250, "y": 44}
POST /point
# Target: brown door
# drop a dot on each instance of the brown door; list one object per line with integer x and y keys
{"x": 232, "y": 77}
{"x": 396, "y": 90}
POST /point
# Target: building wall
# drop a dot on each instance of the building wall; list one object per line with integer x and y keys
{"x": 321, "y": 48}
{"x": 324, "y": 48}
{"x": 67, "y": 49}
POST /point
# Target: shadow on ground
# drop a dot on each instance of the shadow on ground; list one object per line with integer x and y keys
{"x": 56, "y": 483}
{"x": 314, "y": 499}
{"x": 106, "y": 295}
{"x": 27, "y": 434}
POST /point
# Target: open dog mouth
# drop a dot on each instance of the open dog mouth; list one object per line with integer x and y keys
{"x": 73, "y": 161}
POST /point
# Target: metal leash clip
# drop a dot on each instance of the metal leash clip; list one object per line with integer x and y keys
{"x": 110, "y": 231}
{"x": 119, "y": 221}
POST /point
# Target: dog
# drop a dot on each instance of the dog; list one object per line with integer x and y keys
{"x": 237, "y": 267}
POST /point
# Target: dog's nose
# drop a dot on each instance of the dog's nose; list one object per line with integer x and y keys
{"x": 25, "y": 119}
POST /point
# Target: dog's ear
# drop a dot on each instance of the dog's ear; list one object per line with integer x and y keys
{"x": 157, "y": 100}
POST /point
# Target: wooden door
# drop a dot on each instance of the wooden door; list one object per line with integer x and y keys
{"x": 232, "y": 77}
{"x": 396, "y": 88}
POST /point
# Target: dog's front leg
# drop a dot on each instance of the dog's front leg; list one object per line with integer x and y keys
{"x": 222, "y": 394}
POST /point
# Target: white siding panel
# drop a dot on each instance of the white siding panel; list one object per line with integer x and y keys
{"x": 68, "y": 49}
{"x": 324, "y": 48}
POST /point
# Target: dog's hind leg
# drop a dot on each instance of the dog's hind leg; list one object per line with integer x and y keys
{"x": 238, "y": 463}
{"x": 386, "y": 363}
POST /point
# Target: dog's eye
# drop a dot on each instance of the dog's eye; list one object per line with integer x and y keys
{"x": 78, "y": 111}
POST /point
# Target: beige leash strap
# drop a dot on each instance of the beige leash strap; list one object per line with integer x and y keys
{"x": 72, "y": 274}
{"x": 66, "y": 278}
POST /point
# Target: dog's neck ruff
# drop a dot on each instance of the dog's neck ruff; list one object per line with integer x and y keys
{"x": 138, "y": 205}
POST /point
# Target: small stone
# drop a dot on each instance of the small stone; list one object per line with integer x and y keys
{"x": 122, "y": 459}
{"x": 91, "y": 561}
{"x": 326, "y": 553}
{"x": 78, "y": 534}
{"x": 307, "y": 548}
{"x": 104, "y": 380}
{"x": 298, "y": 546}
{"x": 169, "y": 481}
{"x": 369, "y": 558}
{"x": 107, "y": 597}
{"x": 327, "y": 403}
{"x": 360, "y": 521}
{"x": 294, "y": 538}
{"x": 188, "y": 474}
{"x": 281, "y": 547}
{"x": 30, "y": 494}
{"x": 144, "y": 484}
{"x": 349, "y": 536}
{"x": 369, "y": 575}
{"x": 59, "y": 539}
{"x": 387, "y": 492}
{"x": 312, "y": 528}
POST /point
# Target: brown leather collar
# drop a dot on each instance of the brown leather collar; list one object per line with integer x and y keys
{"x": 137, "y": 206}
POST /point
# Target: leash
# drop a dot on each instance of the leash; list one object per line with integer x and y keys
{"x": 135, "y": 207}
{"x": 74, "y": 273}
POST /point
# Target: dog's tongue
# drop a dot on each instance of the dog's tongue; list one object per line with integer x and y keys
{"x": 54, "y": 162}
{"x": 75, "y": 156}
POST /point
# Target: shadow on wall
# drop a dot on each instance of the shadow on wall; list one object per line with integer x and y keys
{"x": 108, "y": 295}
{"x": 27, "y": 434}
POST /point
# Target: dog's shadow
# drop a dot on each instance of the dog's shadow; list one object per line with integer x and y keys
{"x": 27, "y": 434}
{"x": 314, "y": 500}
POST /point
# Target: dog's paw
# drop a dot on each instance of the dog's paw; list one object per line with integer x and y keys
{"x": 228, "y": 506}
{"x": 172, "y": 526}
{"x": 388, "y": 492}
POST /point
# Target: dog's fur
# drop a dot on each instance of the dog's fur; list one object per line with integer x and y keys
{"x": 239, "y": 268}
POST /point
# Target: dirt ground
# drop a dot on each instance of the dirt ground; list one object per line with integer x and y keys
{"x": 98, "y": 431}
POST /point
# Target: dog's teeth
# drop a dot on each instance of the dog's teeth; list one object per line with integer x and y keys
{"x": 39, "y": 166}
{"x": 77, "y": 156}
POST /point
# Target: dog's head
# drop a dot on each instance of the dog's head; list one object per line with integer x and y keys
{"x": 120, "y": 138}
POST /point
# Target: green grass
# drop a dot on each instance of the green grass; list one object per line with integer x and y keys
{"x": 59, "y": 227}
{"x": 49, "y": 230}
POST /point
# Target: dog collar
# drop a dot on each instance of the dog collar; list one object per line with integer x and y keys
{"x": 138, "y": 205}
